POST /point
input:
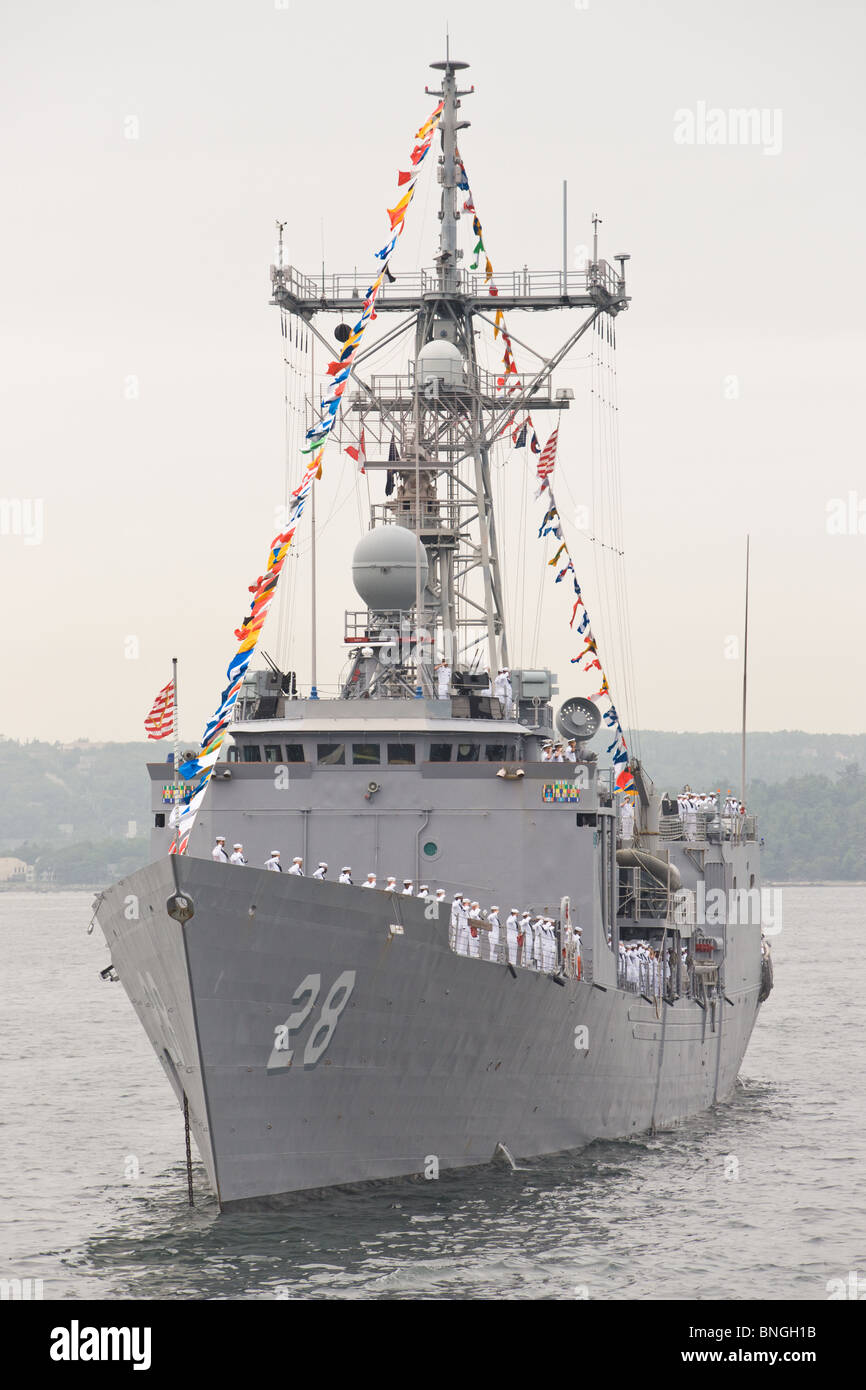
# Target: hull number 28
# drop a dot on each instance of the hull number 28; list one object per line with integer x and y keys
{"x": 322, "y": 1030}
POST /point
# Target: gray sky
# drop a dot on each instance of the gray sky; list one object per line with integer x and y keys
{"x": 147, "y": 258}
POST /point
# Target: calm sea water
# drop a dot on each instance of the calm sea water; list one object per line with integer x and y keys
{"x": 94, "y": 1189}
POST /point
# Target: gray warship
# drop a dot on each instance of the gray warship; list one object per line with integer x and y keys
{"x": 317, "y": 1034}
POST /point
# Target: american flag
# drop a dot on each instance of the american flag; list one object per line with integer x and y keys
{"x": 547, "y": 458}
{"x": 160, "y": 722}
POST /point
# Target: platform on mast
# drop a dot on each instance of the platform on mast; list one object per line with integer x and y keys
{"x": 596, "y": 286}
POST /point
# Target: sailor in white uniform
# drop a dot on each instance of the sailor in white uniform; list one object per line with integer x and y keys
{"x": 297, "y": 867}
{"x": 549, "y": 961}
{"x": 321, "y": 871}
{"x": 524, "y": 939}
{"x": 511, "y": 929}
{"x": 443, "y": 680}
{"x": 238, "y": 855}
{"x": 654, "y": 973}
{"x": 345, "y": 874}
{"x": 274, "y": 862}
{"x": 454, "y": 925}
{"x": 218, "y": 853}
{"x": 390, "y": 885}
{"x": 463, "y": 938}
{"x": 571, "y": 751}
{"x": 627, "y": 819}
{"x": 502, "y": 691}
{"x": 632, "y": 970}
{"x": 495, "y": 936}
{"x": 440, "y": 895}
{"x": 370, "y": 881}
{"x": 537, "y": 942}
{"x": 475, "y": 930}
{"x": 424, "y": 892}
{"x": 408, "y": 890}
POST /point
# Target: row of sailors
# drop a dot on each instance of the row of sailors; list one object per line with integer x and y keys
{"x": 499, "y": 686}
{"x": 559, "y": 752}
{"x": 689, "y": 805}
{"x": 220, "y": 855}
{"x": 522, "y": 940}
{"x": 640, "y": 967}
{"x": 687, "y": 802}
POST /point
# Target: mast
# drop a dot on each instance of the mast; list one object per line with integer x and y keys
{"x": 444, "y": 414}
{"x": 745, "y": 677}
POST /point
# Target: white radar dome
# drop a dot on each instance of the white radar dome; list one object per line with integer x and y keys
{"x": 442, "y": 361}
{"x": 384, "y": 568}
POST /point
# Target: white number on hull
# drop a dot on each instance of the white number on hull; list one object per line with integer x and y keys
{"x": 319, "y": 1039}
{"x": 323, "y": 1030}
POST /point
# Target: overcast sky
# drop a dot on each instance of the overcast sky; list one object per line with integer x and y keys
{"x": 148, "y": 151}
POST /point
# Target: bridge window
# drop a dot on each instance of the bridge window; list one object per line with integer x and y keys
{"x": 401, "y": 754}
{"x": 273, "y": 753}
{"x": 499, "y": 752}
{"x": 440, "y": 752}
{"x": 468, "y": 752}
{"x": 294, "y": 752}
{"x": 365, "y": 753}
{"x": 252, "y": 753}
{"x": 331, "y": 754}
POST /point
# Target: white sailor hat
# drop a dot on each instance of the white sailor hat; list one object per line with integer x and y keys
{"x": 221, "y": 837}
{"x": 371, "y": 874}
{"x": 238, "y": 845}
{"x": 346, "y": 869}
{"x": 275, "y": 854}
{"x": 298, "y": 859}
{"x": 422, "y": 887}
{"x": 494, "y": 907}
{"x": 407, "y": 880}
{"x": 322, "y": 864}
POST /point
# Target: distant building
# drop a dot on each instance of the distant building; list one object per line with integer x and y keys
{"x": 13, "y": 869}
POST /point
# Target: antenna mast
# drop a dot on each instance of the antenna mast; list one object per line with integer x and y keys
{"x": 443, "y": 415}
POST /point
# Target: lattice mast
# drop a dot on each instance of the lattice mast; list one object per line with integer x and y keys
{"x": 444, "y": 416}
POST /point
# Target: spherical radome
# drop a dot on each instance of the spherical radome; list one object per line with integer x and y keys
{"x": 384, "y": 568}
{"x": 442, "y": 361}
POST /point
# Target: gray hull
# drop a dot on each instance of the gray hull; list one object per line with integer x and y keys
{"x": 424, "y": 1061}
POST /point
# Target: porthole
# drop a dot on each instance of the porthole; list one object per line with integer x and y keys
{"x": 431, "y": 849}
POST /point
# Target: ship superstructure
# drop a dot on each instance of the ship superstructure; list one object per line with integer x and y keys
{"x": 318, "y": 1033}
